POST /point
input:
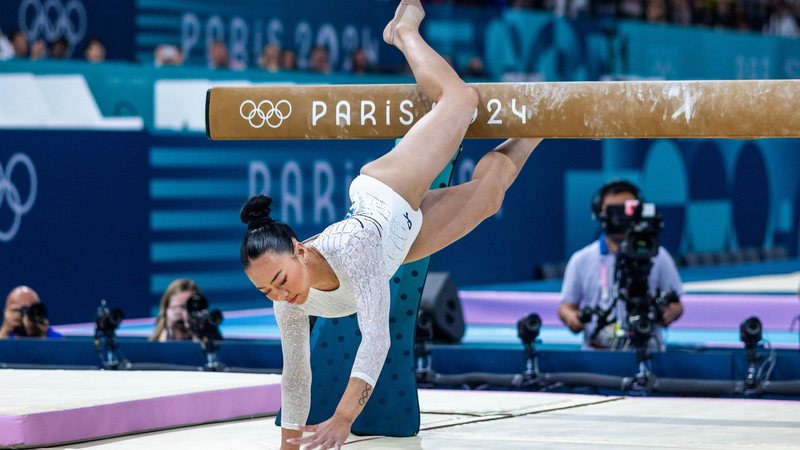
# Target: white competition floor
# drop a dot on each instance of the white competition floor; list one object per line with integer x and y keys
{"x": 470, "y": 420}
{"x": 451, "y": 419}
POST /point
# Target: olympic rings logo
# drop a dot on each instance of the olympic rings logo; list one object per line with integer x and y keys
{"x": 53, "y": 19}
{"x": 273, "y": 116}
{"x": 10, "y": 194}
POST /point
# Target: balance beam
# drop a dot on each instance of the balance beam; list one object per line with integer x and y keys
{"x": 745, "y": 109}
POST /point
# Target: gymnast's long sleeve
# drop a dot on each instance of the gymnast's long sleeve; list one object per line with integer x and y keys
{"x": 296, "y": 375}
{"x": 363, "y": 265}
{"x": 355, "y": 254}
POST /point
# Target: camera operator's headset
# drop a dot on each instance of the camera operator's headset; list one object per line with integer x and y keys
{"x": 615, "y": 186}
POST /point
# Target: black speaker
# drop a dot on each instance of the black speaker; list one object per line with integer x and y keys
{"x": 440, "y": 301}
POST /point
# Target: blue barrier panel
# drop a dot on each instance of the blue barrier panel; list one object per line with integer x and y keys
{"x": 393, "y": 409}
{"x": 695, "y": 53}
{"x": 73, "y": 220}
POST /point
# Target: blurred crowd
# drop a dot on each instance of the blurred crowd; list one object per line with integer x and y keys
{"x": 773, "y": 17}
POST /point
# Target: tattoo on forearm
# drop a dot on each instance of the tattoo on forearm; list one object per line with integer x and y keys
{"x": 365, "y": 394}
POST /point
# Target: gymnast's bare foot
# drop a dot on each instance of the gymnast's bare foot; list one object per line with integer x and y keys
{"x": 408, "y": 15}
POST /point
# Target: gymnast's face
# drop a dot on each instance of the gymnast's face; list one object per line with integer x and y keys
{"x": 282, "y": 277}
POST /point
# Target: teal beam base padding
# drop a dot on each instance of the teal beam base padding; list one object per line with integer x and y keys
{"x": 393, "y": 408}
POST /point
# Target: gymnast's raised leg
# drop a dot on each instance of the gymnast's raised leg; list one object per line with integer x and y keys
{"x": 452, "y": 212}
{"x": 410, "y": 168}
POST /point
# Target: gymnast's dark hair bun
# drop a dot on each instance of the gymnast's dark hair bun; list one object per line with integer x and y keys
{"x": 255, "y": 213}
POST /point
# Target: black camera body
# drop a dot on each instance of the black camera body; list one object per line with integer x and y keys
{"x": 203, "y": 322}
{"x": 36, "y": 313}
{"x": 641, "y": 225}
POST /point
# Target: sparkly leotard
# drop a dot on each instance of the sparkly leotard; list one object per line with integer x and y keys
{"x": 364, "y": 251}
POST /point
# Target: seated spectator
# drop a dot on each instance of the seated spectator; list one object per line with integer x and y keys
{"x": 681, "y": 12}
{"x": 59, "y": 48}
{"x": 173, "y": 318}
{"x": 656, "y": 11}
{"x": 724, "y": 15}
{"x": 475, "y": 68}
{"x": 782, "y": 22}
{"x": 218, "y": 56}
{"x": 38, "y": 50}
{"x": 270, "y": 59}
{"x": 319, "y": 62}
{"x": 633, "y": 9}
{"x": 95, "y": 51}
{"x": 167, "y": 55}
{"x": 359, "y": 63}
{"x": 25, "y": 316}
{"x": 288, "y": 60}
{"x": 20, "y": 44}
{"x": 6, "y": 49}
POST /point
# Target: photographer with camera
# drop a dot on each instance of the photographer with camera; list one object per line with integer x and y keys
{"x": 172, "y": 323}
{"x": 623, "y": 287}
{"x": 25, "y": 316}
{"x": 184, "y": 315}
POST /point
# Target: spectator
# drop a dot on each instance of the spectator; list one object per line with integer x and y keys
{"x": 6, "y": 49}
{"x": 38, "y": 50}
{"x": 173, "y": 319}
{"x": 590, "y": 279}
{"x": 782, "y": 22}
{"x": 681, "y": 13}
{"x": 270, "y": 59}
{"x": 724, "y": 15}
{"x": 633, "y": 9}
{"x": 288, "y": 60}
{"x": 218, "y": 56}
{"x": 475, "y": 68}
{"x": 95, "y": 51}
{"x": 703, "y": 14}
{"x": 741, "y": 21}
{"x": 25, "y": 316}
{"x": 20, "y": 44}
{"x": 319, "y": 62}
{"x": 59, "y": 48}
{"x": 167, "y": 55}
{"x": 359, "y": 62}
{"x": 656, "y": 11}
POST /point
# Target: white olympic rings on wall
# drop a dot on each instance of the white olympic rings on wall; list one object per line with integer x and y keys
{"x": 10, "y": 194}
{"x": 53, "y": 19}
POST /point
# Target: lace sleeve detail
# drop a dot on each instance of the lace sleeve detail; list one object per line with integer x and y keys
{"x": 362, "y": 260}
{"x": 296, "y": 376}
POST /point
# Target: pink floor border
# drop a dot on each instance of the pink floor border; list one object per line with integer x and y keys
{"x": 55, "y": 427}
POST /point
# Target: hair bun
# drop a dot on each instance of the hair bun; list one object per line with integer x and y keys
{"x": 255, "y": 213}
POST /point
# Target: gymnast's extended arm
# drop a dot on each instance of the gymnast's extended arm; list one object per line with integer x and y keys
{"x": 362, "y": 259}
{"x": 296, "y": 375}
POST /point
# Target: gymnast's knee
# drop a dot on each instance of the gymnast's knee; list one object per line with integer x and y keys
{"x": 492, "y": 194}
{"x": 464, "y": 96}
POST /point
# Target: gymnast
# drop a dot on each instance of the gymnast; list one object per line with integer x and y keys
{"x": 346, "y": 269}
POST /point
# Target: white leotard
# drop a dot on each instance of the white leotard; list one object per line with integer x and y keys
{"x": 364, "y": 251}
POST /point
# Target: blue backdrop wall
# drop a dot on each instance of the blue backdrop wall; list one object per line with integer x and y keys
{"x": 80, "y": 204}
{"x": 119, "y": 215}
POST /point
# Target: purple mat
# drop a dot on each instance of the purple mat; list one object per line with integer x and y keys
{"x": 54, "y": 427}
{"x": 704, "y": 311}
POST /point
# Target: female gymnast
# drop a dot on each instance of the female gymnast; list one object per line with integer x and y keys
{"x": 346, "y": 269}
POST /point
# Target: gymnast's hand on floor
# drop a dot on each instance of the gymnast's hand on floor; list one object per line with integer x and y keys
{"x": 329, "y": 434}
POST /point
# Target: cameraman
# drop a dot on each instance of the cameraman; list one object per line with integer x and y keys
{"x": 25, "y": 316}
{"x": 589, "y": 278}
